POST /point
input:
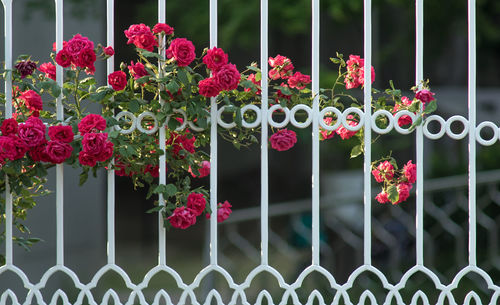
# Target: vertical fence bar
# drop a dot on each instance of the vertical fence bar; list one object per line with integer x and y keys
{"x": 213, "y": 145}
{"x": 471, "y": 15}
{"x": 264, "y": 168}
{"x": 419, "y": 76}
{"x": 7, "y": 5}
{"x": 60, "y": 117}
{"x": 110, "y": 67}
{"x": 162, "y": 243}
{"x": 315, "y": 133}
{"x": 367, "y": 243}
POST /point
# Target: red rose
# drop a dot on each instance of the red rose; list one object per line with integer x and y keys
{"x": 106, "y": 153}
{"x": 425, "y": 95}
{"x": 215, "y": 59}
{"x": 78, "y": 44}
{"x": 49, "y": 69}
{"x": 209, "y": 87}
{"x": 403, "y": 191}
{"x": 86, "y": 59}
{"x": 223, "y": 211}
{"x": 163, "y": 27}
{"x": 410, "y": 172}
{"x": 117, "y": 80}
{"x": 7, "y": 148}
{"x": 382, "y": 197}
{"x": 228, "y": 77}
{"x": 21, "y": 147}
{"x": 182, "y": 218}
{"x": 283, "y": 139}
{"x": 32, "y": 132}
{"x": 32, "y": 100}
{"x": 94, "y": 143}
{"x": 154, "y": 171}
{"x": 204, "y": 170}
{"x": 39, "y": 153}
{"x": 25, "y": 67}
{"x": 137, "y": 70}
{"x": 281, "y": 67}
{"x": 91, "y": 123}
{"x": 58, "y": 151}
{"x": 9, "y": 127}
{"x": 109, "y": 51}
{"x": 63, "y": 58}
{"x": 146, "y": 41}
{"x": 182, "y": 50}
{"x": 61, "y": 133}
{"x": 196, "y": 202}
{"x": 86, "y": 159}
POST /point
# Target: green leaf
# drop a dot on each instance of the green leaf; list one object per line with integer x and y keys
{"x": 149, "y": 54}
{"x": 431, "y": 107}
{"x": 258, "y": 76}
{"x": 143, "y": 80}
{"x": 284, "y": 90}
{"x": 181, "y": 73}
{"x": 418, "y": 122}
{"x": 392, "y": 193}
{"x": 170, "y": 190}
{"x": 84, "y": 176}
{"x": 172, "y": 86}
{"x": 133, "y": 106}
{"x": 356, "y": 151}
{"x": 253, "y": 68}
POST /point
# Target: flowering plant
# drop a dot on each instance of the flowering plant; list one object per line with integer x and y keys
{"x": 168, "y": 93}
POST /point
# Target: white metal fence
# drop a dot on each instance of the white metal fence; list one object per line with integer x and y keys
{"x": 341, "y": 292}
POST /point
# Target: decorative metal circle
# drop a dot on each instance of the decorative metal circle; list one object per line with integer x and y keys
{"x": 139, "y": 122}
{"x": 440, "y": 133}
{"x": 398, "y": 115}
{"x": 192, "y": 126}
{"x": 457, "y": 118}
{"x": 270, "y": 116}
{"x": 221, "y": 122}
{"x": 131, "y": 117}
{"x": 294, "y": 111}
{"x": 322, "y": 118}
{"x": 258, "y": 118}
{"x": 357, "y": 111}
{"x": 389, "y": 117}
{"x": 493, "y": 127}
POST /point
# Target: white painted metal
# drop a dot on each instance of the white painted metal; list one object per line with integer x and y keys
{"x": 264, "y": 118}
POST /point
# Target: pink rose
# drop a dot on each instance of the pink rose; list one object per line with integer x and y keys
{"x": 384, "y": 171}
{"x": 223, "y": 211}
{"x": 283, "y": 139}
{"x": 61, "y": 133}
{"x": 137, "y": 70}
{"x": 228, "y": 77}
{"x": 196, "y": 202}
{"x": 382, "y": 197}
{"x": 282, "y": 67}
{"x": 251, "y": 78}
{"x": 94, "y": 143}
{"x": 410, "y": 172}
{"x": 163, "y": 27}
{"x": 146, "y": 41}
{"x": 109, "y": 51}
{"x": 182, "y": 218}
{"x": 209, "y": 87}
{"x": 403, "y": 191}
{"x": 425, "y": 96}
{"x": 182, "y": 50}
{"x": 7, "y": 148}
{"x": 343, "y": 132}
{"x": 91, "y": 123}
{"x": 135, "y": 30}
{"x": 356, "y": 72}
{"x": 117, "y": 80}
{"x": 86, "y": 159}
{"x": 63, "y": 58}
{"x": 58, "y": 152}
{"x": 32, "y": 100}
{"x": 76, "y": 45}
{"x": 215, "y": 59}
{"x": 9, "y": 127}
{"x": 32, "y": 132}
{"x": 325, "y": 134}
{"x": 49, "y": 69}
{"x": 204, "y": 170}
{"x": 54, "y": 45}
{"x": 299, "y": 80}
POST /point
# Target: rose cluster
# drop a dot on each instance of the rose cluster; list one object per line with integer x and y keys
{"x": 95, "y": 144}
{"x": 77, "y": 52}
{"x": 356, "y": 72}
{"x": 396, "y": 183}
{"x": 422, "y": 96}
{"x": 225, "y": 75}
{"x": 30, "y": 137}
{"x": 185, "y": 216}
